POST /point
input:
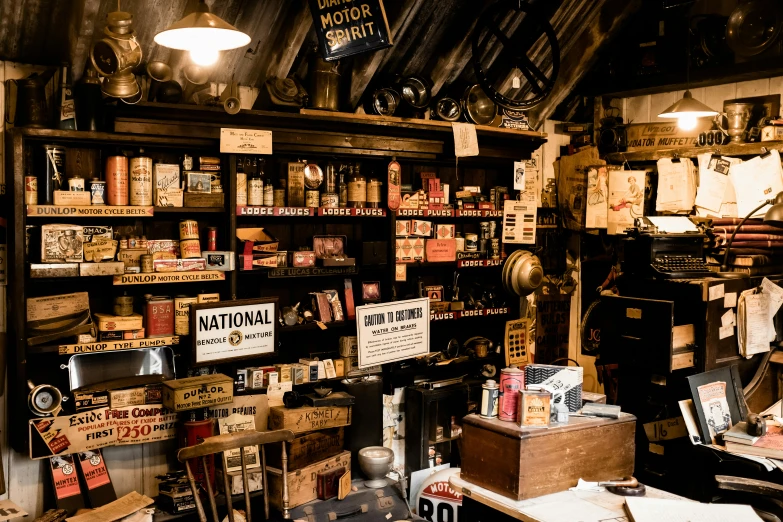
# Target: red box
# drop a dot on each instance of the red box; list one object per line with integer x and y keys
{"x": 486, "y": 205}
{"x": 160, "y": 317}
{"x": 433, "y": 185}
{"x": 441, "y": 250}
{"x": 303, "y": 258}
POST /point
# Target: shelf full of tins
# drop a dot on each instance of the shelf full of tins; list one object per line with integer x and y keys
{"x": 136, "y": 227}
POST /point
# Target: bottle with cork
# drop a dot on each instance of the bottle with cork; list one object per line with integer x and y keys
{"x": 357, "y": 188}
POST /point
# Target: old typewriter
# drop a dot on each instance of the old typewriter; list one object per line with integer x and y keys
{"x": 669, "y": 247}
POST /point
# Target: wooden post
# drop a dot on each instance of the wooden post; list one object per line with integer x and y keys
{"x": 210, "y": 493}
{"x": 284, "y": 469}
{"x": 196, "y": 498}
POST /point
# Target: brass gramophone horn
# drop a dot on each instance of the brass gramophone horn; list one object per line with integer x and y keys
{"x": 158, "y": 72}
{"x": 196, "y": 79}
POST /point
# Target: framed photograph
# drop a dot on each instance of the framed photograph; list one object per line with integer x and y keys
{"x": 200, "y": 182}
{"x": 371, "y": 291}
{"x": 718, "y": 401}
{"x": 232, "y": 330}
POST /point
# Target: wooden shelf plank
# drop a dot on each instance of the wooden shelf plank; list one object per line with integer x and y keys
{"x": 732, "y": 149}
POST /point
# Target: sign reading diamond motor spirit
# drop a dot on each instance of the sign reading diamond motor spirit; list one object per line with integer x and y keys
{"x": 348, "y": 27}
{"x": 231, "y": 330}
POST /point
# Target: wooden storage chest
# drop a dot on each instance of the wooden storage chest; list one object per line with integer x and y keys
{"x": 526, "y": 463}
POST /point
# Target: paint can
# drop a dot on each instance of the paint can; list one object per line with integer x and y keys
{"x": 189, "y": 248}
{"x": 116, "y": 180}
{"x": 182, "y": 314}
{"x": 141, "y": 181}
{"x": 511, "y": 381}
{"x": 489, "y": 399}
{"x": 188, "y": 229}
{"x": 147, "y": 265}
{"x": 194, "y": 432}
{"x": 312, "y": 198}
{"x": 123, "y": 305}
{"x": 97, "y": 192}
{"x": 330, "y": 200}
{"x": 76, "y": 184}
{"x": 160, "y": 316}
{"x": 211, "y": 239}
{"x": 241, "y": 189}
{"x": 471, "y": 242}
{"x": 30, "y": 190}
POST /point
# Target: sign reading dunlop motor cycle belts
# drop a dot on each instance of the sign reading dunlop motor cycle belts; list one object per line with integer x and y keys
{"x": 348, "y": 27}
{"x": 231, "y": 330}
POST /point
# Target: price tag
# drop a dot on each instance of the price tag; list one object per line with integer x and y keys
{"x": 465, "y": 140}
{"x": 245, "y": 141}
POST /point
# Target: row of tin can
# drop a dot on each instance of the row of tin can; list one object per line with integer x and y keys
{"x": 501, "y": 400}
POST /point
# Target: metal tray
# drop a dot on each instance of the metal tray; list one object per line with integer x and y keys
{"x": 86, "y": 369}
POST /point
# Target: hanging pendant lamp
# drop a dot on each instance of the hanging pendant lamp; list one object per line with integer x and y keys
{"x": 687, "y": 110}
{"x": 203, "y": 34}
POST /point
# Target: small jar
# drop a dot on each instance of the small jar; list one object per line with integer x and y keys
{"x": 357, "y": 190}
{"x": 374, "y": 193}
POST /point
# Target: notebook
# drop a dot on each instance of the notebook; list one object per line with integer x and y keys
{"x": 658, "y": 510}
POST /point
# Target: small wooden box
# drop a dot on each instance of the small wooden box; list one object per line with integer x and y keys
{"x": 198, "y": 392}
{"x": 308, "y": 448}
{"x": 204, "y": 200}
{"x": 303, "y": 483}
{"x": 522, "y": 463}
{"x": 308, "y": 418}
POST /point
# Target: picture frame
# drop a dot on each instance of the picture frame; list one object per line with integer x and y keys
{"x": 228, "y": 331}
{"x": 710, "y": 409}
{"x": 199, "y": 182}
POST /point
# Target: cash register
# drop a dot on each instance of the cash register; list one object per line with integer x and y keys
{"x": 665, "y": 247}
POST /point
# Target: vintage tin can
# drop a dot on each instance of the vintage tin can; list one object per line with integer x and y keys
{"x": 194, "y": 432}
{"x": 188, "y": 229}
{"x": 374, "y": 193}
{"x": 533, "y": 409}
{"x": 160, "y": 316}
{"x": 116, "y": 180}
{"x": 76, "y": 184}
{"x": 211, "y": 239}
{"x": 494, "y": 248}
{"x": 278, "y": 197}
{"x": 489, "y": 399}
{"x": 30, "y": 190}
{"x": 141, "y": 181}
{"x": 147, "y": 266}
{"x": 471, "y": 242}
{"x": 97, "y": 192}
{"x": 269, "y": 195}
{"x": 241, "y": 188}
{"x": 54, "y": 172}
{"x": 511, "y": 381}
{"x": 330, "y": 200}
{"x": 189, "y": 248}
{"x": 312, "y": 198}
{"x": 123, "y": 305}
{"x": 182, "y": 314}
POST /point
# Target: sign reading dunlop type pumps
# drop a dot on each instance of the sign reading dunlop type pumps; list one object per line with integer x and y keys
{"x": 348, "y": 27}
{"x": 231, "y": 330}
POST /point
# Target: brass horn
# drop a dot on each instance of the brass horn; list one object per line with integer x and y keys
{"x": 196, "y": 79}
{"x": 158, "y": 72}
{"x": 230, "y": 98}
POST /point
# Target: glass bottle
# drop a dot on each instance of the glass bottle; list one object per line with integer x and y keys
{"x": 374, "y": 192}
{"x": 343, "y": 187}
{"x": 357, "y": 189}
{"x": 67, "y": 116}
{"x": 241, "y": 182}
{"x": 330, "y": 179}
{"x": 255, "y": 185}
{"x": 268, "y": 189}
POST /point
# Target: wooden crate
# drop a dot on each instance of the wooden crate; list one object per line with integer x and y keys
{"x": 308, "y": 418}
{"x": 308, "y": 448}
{"x": 302, "y": 483}
{"x": 526, "y": 463}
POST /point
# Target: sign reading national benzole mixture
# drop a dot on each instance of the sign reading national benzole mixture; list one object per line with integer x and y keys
{"x": 348, "y": 27}
{"x": 231, "y": 330}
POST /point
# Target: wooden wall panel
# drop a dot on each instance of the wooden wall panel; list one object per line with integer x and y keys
{"x": 637, "y": 109}
{"x": 717, "y": 94}
{"x": 660, "y": 102}
{"x": 753, "y": 88}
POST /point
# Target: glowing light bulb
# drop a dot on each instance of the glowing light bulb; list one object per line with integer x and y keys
{"x": 204, "y": 56}
{"x": 687, "y": 123}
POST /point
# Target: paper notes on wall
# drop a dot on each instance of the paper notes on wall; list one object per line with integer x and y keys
{"x": 676, "y": 185}
{"x": 756, "y": 181}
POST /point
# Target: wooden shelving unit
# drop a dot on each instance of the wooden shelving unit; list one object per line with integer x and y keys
{"x": 731, "y": 149}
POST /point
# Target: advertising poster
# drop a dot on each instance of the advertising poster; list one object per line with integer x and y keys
{"x": 626, "y": 199}
{"x": 389, "y": 332}
{"x": 233, "y": 330}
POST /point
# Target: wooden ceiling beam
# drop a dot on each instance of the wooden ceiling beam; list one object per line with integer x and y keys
{"x": 82, "y": 28}
{"x": 583, "y": 54}
{"x": 365, "y": 66}
{"x": 298, "y": 29}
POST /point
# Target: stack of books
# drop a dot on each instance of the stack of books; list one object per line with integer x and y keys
{"x": 770, "y": 445}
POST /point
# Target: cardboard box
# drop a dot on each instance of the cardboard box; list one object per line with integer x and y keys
{"x": 150, "y": 394}
{"x": 88, "y": 400}
{"x": 444, "y": 231}
{"x": 101, "y": 269}
{"x": 307, "y": 449}
{"x": 110, "y": 336}
{"x": 302, "y": 258}
{"x": 404, "y": 227}
{"x": 67, "y": 197}
{"x": 339, "y": 367}
{"x": 409, "y": 250}
{"x": 302, "y": 483}
{"x": 179, "y": 265}
{"x": 259, "y": 261}
{"x": 110, "y": 323}
{"x": 92, "y": 233}
{"x": 165, "y": 177}
{"x": 62, "y": 244}
{"x": 198, "y": 392}
{"x": 100, "y": 249}
{"x": 441, "y": 250}
{"x": 421, "y": 228}
{"x": 56, "y": 306}
{"x": 308, "y": 418}
{"x": 254, "y": 240}
{"x": 133, "y": 334}
{"x": 131, "y": 257}
{"x": 283, "y": 372}
{"x": 174, "y": 197}
{"x": 223, "y": 261}
{"x": 349, "y": 346}
{"x": 170, "y": 246}
{"x": 46, "y": 270}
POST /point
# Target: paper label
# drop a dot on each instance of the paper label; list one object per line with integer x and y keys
{"x": 666, "y": 429}
{"x": 245, "y": 141}
{"x": 727, "y": 319}
{"x": 389, "y": 332}
{"x": 93, "y": 469}
{"x": 465, "y": 140}
{"x": 726, "y": 331}
{"x": 66, "y": 482}
{"x": 563, "y": 381}
{"x": 519, "y": 175}
{"x": 730, "y": 300}
{"x": 716, "y": 292}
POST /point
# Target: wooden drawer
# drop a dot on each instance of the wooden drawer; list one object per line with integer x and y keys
{"x": 307, "y": 449}
{"x": 308, "y": 418}
{"x": 526, "y": 463}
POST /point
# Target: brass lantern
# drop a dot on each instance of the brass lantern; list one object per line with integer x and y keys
{"x": 116, "y": 55}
